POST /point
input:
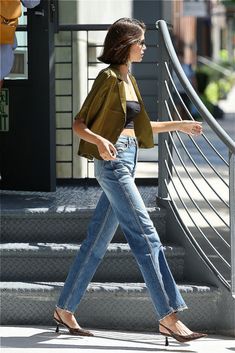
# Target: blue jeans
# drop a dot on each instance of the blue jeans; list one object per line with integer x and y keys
{"x": 121, "y": 203}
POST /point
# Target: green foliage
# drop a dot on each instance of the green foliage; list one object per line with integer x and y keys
{"x": 224, "y": 59}
{"x": 212, "y": 92}
{"x": 213, "y": 84}
{"x": 228, "y": 2}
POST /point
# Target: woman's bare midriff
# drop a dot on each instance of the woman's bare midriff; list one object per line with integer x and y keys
{"x": 128, "y": 132}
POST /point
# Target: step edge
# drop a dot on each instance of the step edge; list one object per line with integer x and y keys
{"x": 18, "y": 250}
{"x": 13, "y": 287}
{"x": 67, "y": 212}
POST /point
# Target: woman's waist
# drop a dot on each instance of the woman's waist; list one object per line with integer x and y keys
{"x": 127, "y": 139}
{"x": 128, "y": 132}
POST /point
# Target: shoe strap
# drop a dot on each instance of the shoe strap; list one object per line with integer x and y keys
{"x": 59, "y": 316}
{"x": 167, "y": 328}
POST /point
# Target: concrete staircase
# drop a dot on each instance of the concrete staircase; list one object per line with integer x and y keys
{"x": 41, "y": 233}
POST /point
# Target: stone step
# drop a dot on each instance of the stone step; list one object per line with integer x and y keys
{"x": 50, "y": 261}
{"x": 125, "y": 306}
{"x": 56, "y": 225}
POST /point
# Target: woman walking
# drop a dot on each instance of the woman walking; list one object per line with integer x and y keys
{"x": 112, "y": 125}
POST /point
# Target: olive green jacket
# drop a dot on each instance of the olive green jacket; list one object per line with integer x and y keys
{"x": 104, "y": 112}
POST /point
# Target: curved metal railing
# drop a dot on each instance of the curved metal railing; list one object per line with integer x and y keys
{"x": 197, "y": 174}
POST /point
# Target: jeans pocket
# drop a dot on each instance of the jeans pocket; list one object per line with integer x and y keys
{"x": 98, "y": 168}
{"x": 121, "y": 146}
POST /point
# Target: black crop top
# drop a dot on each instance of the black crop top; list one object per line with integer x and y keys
{"x": 132, "y": 109}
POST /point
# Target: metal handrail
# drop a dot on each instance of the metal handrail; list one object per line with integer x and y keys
{"x": 189, "y": 114}
{"x": 190, "y": 90}
{"x": 177, "y": 173}
{"x": 215, "y": 66}
{"x": 170, "y": 178}
{"x": 199, "y": 248}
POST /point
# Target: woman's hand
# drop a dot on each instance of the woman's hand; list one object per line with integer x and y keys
{"x": 106, "y": 149}
{"x": 190, "y": 127}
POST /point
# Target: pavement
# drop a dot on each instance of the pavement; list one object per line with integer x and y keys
{"x": 44, "y": 339}
{"x": 228, "y": 106}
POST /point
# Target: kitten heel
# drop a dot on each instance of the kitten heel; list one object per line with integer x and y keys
{"x": 57, "y": 328}
{"x": 166, "y": 342}
{"x": 73, "y": 331}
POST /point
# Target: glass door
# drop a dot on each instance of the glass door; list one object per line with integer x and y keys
{"x": 28, "y": 141}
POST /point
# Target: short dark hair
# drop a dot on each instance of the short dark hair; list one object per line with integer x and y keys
{"x": 121, "y": 35}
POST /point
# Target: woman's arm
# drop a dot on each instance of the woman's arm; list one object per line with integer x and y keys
{"x": 106, "y": 149}
{"x": 189, "y": 127}
{"x": 30, "y": 3}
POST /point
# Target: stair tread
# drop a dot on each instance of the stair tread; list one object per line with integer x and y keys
{"x": 70, "y": 210}
{"x": 104, "y": 287}
{"x": 106, "y": 305}
{"x": 67, "y": 197}
{"x": 57, "y": 224}
{"x": 61, "y": 249}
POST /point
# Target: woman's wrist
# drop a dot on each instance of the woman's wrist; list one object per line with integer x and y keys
{"x": 98, "y": 140}
{"x": 179, "y": 125}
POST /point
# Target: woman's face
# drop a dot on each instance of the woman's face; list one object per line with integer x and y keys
{"x": 137, "y": 50}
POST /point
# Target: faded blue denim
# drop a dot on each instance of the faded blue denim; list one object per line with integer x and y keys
{"x": 121, "y": 203}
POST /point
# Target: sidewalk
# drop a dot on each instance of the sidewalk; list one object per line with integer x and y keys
{"x": 228, "y": 106}
{"x": 44, "y": 340}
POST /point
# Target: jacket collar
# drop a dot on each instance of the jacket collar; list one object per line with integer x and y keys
{"x": 122, "y": 89}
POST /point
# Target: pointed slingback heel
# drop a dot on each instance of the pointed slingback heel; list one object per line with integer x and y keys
{"x": 180, "y": 338}
{"x": 72, "y": 331}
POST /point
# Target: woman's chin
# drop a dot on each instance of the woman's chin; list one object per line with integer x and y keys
{"x": 138, "y": 60}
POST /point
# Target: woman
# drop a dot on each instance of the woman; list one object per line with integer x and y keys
{"x": 112, "y": 125}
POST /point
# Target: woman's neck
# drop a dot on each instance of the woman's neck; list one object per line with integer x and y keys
{"x": 124, "y": 69}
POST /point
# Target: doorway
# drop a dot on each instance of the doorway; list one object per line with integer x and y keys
{"x": 28, "y": 143}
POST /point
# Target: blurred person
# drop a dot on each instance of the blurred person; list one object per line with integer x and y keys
{"x": 112, "y": 125}
{"x": 10, "y": 11}
{"x": 190, "y": 74}
{"x": 203, "y": 81}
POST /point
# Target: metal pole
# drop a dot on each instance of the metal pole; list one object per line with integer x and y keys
{"x": 162, "y": 116}
{"x": 232, "y": 217}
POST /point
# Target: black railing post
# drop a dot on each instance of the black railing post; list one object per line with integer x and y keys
{"x": 232, "y": 218}
{"x": 163, "y": 176}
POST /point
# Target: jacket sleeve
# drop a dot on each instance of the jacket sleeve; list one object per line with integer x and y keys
{"x": 95, "y": 98}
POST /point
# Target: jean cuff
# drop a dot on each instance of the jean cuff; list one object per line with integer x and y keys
{"x": 64, "y": 309}
{"x": 180, "y": 308}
